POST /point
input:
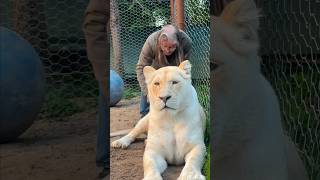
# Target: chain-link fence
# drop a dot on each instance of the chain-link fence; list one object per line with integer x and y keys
{"x": 197, "y": 26}
{"x": 57, "y": 36}
{"x": 133, "y": 21}
{"x": 290, "y": 49}
{"x": 54, "y": 28}
{"x": 131, "y": 24}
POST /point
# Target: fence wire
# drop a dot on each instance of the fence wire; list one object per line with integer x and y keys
{"x": 290, "y": 48}
{"x": 133, "y": 21}
{"x": 54, "y": 28}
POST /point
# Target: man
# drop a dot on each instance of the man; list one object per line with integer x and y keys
{"x": 95, "y": 26}
{"x": 166, "y": 47}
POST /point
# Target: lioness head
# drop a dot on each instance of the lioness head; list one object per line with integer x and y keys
{"x": 167, "y": 86}
{"x": 235, "y": 41}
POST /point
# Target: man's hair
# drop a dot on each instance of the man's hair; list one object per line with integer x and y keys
{"x": 172, "y": 32}
{"x": 169, "y": 32}
{"x": 167, "y": 37}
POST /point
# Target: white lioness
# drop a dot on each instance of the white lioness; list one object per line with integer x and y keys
{"x": 249, "y": 142}
{"x": 175, "y": 124}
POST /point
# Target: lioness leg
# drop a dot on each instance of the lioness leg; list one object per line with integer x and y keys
{"x": 126, "y": 140}
{"x": 153, "y": 164}
{"x": 193, "y": 165}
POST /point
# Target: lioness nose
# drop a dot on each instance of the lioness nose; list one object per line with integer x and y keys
{"x": 165, "y": 98}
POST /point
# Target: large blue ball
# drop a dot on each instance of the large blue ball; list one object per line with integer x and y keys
{"x": 116, "y": 88}
{"x": 22, "y": 85}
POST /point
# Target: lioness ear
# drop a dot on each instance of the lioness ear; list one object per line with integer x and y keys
{"x": 243, "y": 17}
{"x": 241, "y": 12}
{"x": 148, "y": 73}
{"x": 185, "y": 66}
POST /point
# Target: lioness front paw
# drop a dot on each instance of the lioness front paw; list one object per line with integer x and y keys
{"x": 191, "y": 175}
{"x": 123, "y": 142}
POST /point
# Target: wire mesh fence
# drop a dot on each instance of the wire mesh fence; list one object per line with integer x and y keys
{"x": 57, "y": 36}
{"x": 131, "y": 24}
{"x": 133, "y": 21}
{"x": 197, "y": 26}
{"x": 290, "y": 50}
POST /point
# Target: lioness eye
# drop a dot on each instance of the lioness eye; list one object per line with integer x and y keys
{"x": 175, "y": 82}
{"x": 157, "y": 83}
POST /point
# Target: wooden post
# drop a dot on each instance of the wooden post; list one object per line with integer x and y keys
{"x": 172, "y": 10}
{"x": 180, "y": 14}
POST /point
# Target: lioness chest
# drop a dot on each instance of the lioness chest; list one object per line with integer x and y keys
{"x": 172, "y": 138}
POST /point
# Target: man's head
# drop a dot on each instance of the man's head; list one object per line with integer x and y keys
{"x": 168, "y": 39}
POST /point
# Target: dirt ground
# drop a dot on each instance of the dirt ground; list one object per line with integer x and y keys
{"x": 64, "y": 149}
{"x": 126, "y": 164}
{"x": 52, "y": 149}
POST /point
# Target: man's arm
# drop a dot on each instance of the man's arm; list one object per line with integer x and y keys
{"x": 145, "y": 59}
{"x": 186, "y": 44}
{"x": 95, "y": 27}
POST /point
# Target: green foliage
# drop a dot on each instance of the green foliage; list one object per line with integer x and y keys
{"x": 74, "y": 85}
{"x": 299, "y": 99}
{"x": 63, "y": 99}
{"x": 144, "y": 13}
{"x": 204, "y": 98}
{"x": 203, "y": 92}
{"x": 131, "y": 92}
{"x": 196, "y": 12}
{"x": 206, "y": 167}
{"x": 57, "y": 105}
